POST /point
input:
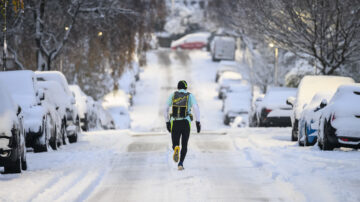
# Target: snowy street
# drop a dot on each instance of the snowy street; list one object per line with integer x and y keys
{"x": 222, "y": 164}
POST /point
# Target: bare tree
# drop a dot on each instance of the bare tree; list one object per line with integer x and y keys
{"x": 328, "y": 31}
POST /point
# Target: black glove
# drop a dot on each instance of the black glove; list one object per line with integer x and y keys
{"x": 198, "y": 126}
{"x": 168, "y": 126}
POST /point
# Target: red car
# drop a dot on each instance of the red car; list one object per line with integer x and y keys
{"x": 191, "y": 41}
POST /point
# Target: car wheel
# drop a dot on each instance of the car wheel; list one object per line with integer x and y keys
{"x": 227, "y": 120}
{"x": 54, "y": 141}
{"x": 23, "y": 159}
{"x": 299, "y": 139}
{"x": 326, "y": 145}
{"x": 73, "y": 138}
{"x": 306, "y": 140}
{"x": 38, "y": 147}
{"x": 294, "y": 135}
{"x": 14, "y": 167}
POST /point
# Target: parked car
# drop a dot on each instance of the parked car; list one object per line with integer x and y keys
{"x": 308, "y": 87}
{"x": 257, "y": 97}
{"x": 309, "y": 119}
{"x": 104, "y": 117}
{"x": 38, "y": 123}
{"x": 223, "y": 48}
{"x": 12, "y": 134}
{"x": 82, "y": 106}
{"x": 225, "y": 66}
{"x": 232, "y": 88}
{"x": 117, "y": 104}
{"x": 191, "y": 41}
{"x": 72, "y": 118}
{"x": 273, "y": 110}
{"x": 340, "y": 119}
{"x": 237, "y": 104}
{"x": 228, "y": 79}
{"x": 56, "y": 100}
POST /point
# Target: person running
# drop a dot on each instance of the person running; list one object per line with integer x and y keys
{"x": 179, "y": 121}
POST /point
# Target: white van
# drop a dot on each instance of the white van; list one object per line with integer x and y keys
{"x": 223, "y": 48}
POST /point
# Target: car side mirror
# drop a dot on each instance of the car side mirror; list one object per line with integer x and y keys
{"x": 57, "y": 108}
{"x": 290, "y": 101}
{"x": 323, "y": 103}
{"x": 18, "y": 111}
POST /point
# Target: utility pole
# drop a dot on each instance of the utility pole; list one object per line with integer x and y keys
{"x": 276, "y": 54}
{"x": 4, "y": 35}
{"x": 276, "y": 67}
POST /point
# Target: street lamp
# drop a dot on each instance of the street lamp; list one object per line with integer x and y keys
{"x": 272, "y": 45}
{"x": 100, "y": 34}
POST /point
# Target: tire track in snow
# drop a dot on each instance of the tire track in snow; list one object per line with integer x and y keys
{"x": 62, "y": 186}
{"x": 81, "y": 188}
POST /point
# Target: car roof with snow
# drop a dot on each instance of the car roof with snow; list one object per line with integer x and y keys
{"x": 7, "y": 102}
{"x": 21, "y": 85}
{"x": 276, "y": 97}
{"x": 76, "y": 90}
{"x": 318, "y": 98}
{"x": 230, "y": 75}
{"x": 117, "y": 98}
{"x": 7, "y": 110}
{"x": 237, "y": 102}
{"x": 54, "y": 76}
{"x": 56, "y": 92}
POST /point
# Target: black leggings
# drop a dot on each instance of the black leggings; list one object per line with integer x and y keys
{"x": 181, "y": 128}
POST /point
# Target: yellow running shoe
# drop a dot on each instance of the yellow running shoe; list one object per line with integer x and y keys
{"x": 176, "y": 153}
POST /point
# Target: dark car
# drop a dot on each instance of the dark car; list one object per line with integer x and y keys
{"x": 273, "y": 110}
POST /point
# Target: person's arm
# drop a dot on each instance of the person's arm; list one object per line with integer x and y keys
{"x": 195, "y": 107}
{"x": 167, "y": 107}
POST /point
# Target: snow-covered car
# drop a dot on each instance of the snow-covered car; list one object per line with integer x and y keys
{"x": 252, "y": 114}
{"x": 225, "y": 66}
{"x": 273, "y": 110}
{"x": 309, "y": 118}
{"x": 117, "y": 104}
{"x": 72, "y": 117}
{"x": 233, "y": 88}
{"x": 223, "y": 48}
{"x": 55, "y": 99}
{"x": 191, "y": 41}
{"x": 308, "y": 87}
{"x": 12, "y": 134}
{"x": 228, "y": 79}
{"x": 340, "y": 119}
{"x": 82, "y": 106}
{"x": 104, "y": 117}
{"x": 38, "y": 123}
{"x": 237, "y": 104}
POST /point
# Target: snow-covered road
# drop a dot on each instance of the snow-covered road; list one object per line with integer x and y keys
{"x": 223, "y": 164}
